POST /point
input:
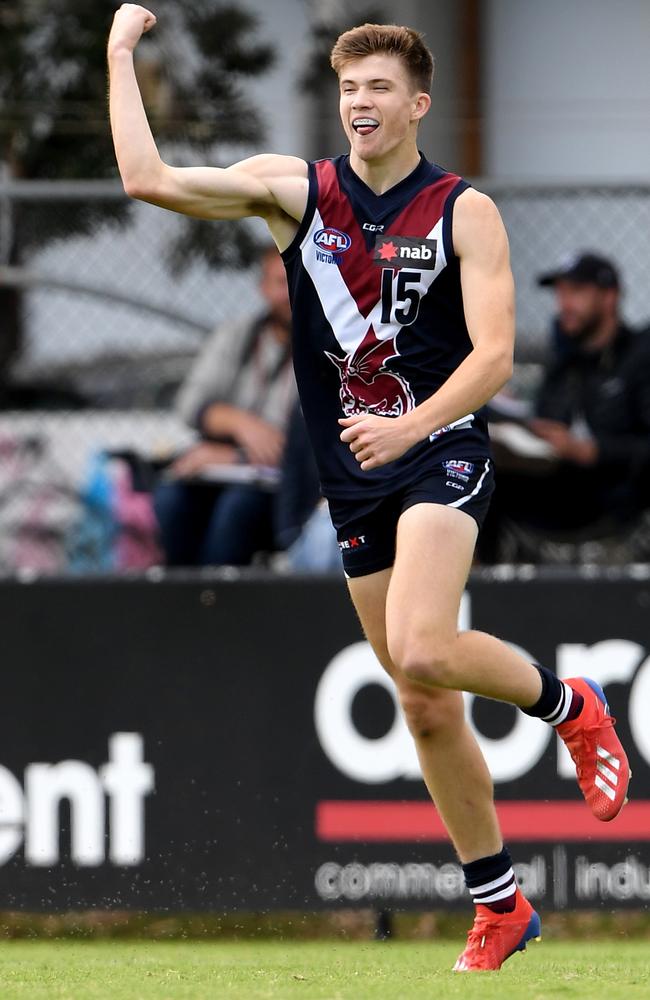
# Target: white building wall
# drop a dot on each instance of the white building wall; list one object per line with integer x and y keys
{"x": 285, "y": 25}
{"x": 567, "y": 89}
{"x": 566, "y": 84}
{"x": 295, "y": 123}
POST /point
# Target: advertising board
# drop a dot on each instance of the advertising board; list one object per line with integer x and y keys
{"x": 210, "y": 744}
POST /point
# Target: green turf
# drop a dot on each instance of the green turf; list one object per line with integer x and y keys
{"x": 333, "y": 970}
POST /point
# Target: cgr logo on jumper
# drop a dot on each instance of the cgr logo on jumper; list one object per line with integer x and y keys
{"x": 402, "y": 251}
{"x": 32, "y": 814}
{"x": 331, "y": 244}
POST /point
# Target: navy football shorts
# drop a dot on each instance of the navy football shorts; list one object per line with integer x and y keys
{"x": 367, "y": 529}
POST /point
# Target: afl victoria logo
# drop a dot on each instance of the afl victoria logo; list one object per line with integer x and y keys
{"x": 331, "y": 244}
{"x": 332, "y": 240}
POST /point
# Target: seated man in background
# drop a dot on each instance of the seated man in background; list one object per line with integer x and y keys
{"x": 238, "y": 396}
{"x": 304, "y": 532}
{"x": 593, "y": 411}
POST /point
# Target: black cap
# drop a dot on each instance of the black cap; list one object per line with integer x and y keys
{"x": 584, "y": 269}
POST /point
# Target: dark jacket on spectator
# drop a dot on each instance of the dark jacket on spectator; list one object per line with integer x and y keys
{"x": 608, "y": 390}
{"x": 299, "y": 488}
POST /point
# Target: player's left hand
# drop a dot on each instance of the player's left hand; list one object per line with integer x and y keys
{"x": 374, "y": 441}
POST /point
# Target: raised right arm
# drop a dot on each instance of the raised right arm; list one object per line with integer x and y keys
{"x": 270, "y": 186}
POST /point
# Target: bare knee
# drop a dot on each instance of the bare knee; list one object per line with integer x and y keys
{"x": 430, "y": 714}
{"x": 424, "y": 660}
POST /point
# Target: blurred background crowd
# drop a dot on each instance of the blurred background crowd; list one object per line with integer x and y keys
{"x": 148, "y": 414}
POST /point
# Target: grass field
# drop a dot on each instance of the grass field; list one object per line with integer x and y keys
{"x": 330, "y": 970}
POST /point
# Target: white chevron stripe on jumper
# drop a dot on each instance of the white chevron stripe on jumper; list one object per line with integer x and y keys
{"x": 339, "y": 305}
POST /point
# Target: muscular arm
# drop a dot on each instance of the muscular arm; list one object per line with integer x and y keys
{"x": 270, "y": 186}
{"x": 481, "y": 244}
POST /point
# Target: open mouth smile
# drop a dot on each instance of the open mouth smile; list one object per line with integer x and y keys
{"x": 365, "y": 126}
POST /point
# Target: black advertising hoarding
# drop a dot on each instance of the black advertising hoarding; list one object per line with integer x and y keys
{"x": 232, "y": 744}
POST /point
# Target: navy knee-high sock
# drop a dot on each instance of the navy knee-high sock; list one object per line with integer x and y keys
{"x": 491, "y": 881}
{"x": 558, "y": 701}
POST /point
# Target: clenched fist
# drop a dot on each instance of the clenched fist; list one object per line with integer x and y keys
{"x": 130, "y": 23}
{"x": 374, "y": 441}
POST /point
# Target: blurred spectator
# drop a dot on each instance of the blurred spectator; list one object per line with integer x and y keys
{"x": 216, "y": 505}
{"x": 591, "y": 418}
{"x": 304, "y": 530}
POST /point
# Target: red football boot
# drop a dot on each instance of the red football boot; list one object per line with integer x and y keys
{"x": 601, "y": 763}
{"x": 494, "y": 937}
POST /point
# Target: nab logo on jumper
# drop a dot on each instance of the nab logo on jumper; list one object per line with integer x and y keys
{"x": 378, "y": 319}
{"x": 400, "y": 251}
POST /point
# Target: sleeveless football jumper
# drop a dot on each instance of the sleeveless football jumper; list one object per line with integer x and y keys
{"x": 378, "y": 322}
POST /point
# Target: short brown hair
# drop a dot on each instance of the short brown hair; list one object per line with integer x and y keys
{"x": 393, "y": 39}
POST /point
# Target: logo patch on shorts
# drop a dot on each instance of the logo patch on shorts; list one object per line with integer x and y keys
{"x": 355, "y": 542}
{"x": 458, "y": 469}
{"x": 459, "y": 466}
{"x": 457, "y": 425}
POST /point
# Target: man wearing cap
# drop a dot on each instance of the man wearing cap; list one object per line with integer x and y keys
{"x": 593, "y": 408}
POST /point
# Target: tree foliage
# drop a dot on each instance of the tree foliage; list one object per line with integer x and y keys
{"x": 323, "y": 35}
{"x": 53, "y": 116}
{"x": 54, "y": 121}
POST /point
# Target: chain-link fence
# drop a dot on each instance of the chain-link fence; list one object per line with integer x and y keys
{"x": 105, "y": 310}
{"x": 546, "y": 223}
{"x": 106, "y": 329}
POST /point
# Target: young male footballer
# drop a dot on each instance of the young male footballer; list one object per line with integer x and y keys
{"x": 402, "y": 301}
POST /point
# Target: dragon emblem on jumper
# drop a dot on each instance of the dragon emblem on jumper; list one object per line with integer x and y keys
{"x": 367, "y": 385}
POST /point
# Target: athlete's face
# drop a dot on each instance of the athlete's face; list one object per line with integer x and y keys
{"x": 380, "y": 105}
{"x": 582, "y": 308}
